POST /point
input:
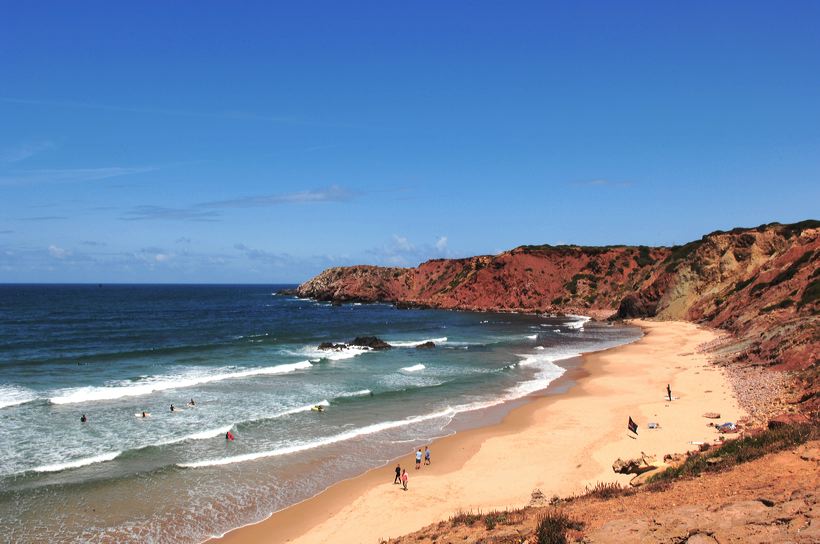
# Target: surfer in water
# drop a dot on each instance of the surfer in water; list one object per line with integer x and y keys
{"x": 228, "y": 436}
{"x": 83, "y": 419}
{"x": 172, "y": 407}
{"x": 143, "y": 415}
{"x": 192, "y": 403}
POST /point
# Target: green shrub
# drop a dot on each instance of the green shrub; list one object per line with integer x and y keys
{"x": 739, "y": 286}
{"x": 552, "y": 528}
{"x": 810, "y": 294}
{"x": 782, "y": 304}
{"x": 465, "y": 518}
{"x": 743, "y": 450}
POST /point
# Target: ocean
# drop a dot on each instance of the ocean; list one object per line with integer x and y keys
{"x": 249, "y": 358}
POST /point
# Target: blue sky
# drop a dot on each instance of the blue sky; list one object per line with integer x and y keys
{"x": 263, "y": 142}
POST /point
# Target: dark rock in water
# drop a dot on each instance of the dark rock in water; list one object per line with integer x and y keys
{"x": 426, "y": 345}
{"x": 287, "y": 292}
{"x": 336, "y": 303}
{"x": 371, "y": 342}
{"x": 332, "y": 346}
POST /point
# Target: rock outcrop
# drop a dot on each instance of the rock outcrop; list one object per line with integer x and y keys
{"x": 371, "y": 342}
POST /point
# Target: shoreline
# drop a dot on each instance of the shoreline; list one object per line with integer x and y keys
{"x": 499, "y": 465}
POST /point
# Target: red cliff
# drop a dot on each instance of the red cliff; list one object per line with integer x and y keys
{"x": 762, "y": 284}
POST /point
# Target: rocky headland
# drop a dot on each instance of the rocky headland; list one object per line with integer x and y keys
{"x": 760, "y": 285}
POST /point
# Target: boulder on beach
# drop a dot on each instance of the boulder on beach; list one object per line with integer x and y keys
{"x": 638, "y": 465}
{"x": 426, "y": 345}
{"x": 371, "y": 342}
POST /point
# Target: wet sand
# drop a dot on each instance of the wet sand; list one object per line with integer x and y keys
{"x": 559, "y": 444}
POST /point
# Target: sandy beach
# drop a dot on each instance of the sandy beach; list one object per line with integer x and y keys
{"x": 559, "y": 444}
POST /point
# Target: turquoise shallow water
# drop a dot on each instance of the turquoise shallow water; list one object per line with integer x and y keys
{"x": 249, "y": 360}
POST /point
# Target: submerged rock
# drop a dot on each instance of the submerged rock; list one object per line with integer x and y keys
{"x": 426, "y": 345}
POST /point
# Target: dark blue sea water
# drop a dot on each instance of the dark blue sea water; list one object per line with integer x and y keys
{"x": 249, "y": 359}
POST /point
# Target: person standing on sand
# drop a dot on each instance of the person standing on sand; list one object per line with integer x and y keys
{"x": 669, "y": 392}
{"x": 397, "y": 479}
{"x": 404, "y": 479}
{"x": 426, "y": 455}
{"x": 418, "y": 459}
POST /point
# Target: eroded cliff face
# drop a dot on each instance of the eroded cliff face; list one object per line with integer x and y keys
{"x": 527, "y": 278}
{"x": 762, "y": 284}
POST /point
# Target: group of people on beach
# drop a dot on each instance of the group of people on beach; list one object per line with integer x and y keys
{"x": 401, "y": 474}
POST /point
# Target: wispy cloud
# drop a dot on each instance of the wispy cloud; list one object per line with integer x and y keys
{"x": 23, "y": 151}
{"x": 182, "y": 240}
{"x": 236, "y": 115}
{"x": 6, "y": 232}
{"x": 58, "y": 252}
{"x": 400, "y": 251}
{"x": 601, "y": 182}
{"x": 43, "y": 218}
{"x": 277, "y": 259}
{"x": 92, "y": 243}
{"x": 149, "y": 213}
{"x": 333, "y": 193}
{"x": 69, "y": 175}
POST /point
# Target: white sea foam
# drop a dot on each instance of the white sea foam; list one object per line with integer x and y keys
{"x": 362, "y": 393}
{"x": 162, "y": 383}
{"x": 314, "y": 353}
{"x": 532, "y": 336}
{"x": 578, "y": 324}
{"x": 202, "y": 435}
{"x": 78, "y": 462}
{"x": 414, "y": 368}
{"x": 13, "y": 395}
{"x": 539, "y": 347}
{"x": 302, "y": 446}
{"x": 299, "y": 409}
{"x": 413, "y": 343}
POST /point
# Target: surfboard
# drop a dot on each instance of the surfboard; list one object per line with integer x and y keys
{"x": 147, "y": 415}
{"x": 318, "y": 409}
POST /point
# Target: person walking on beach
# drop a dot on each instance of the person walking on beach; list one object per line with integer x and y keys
{"x": 418, "y": 459}
{"x": 404, "y": 479}
{"x": 397, "y": 479}
{"x": 426, "y": 455}
{"x": 669, "y": 392}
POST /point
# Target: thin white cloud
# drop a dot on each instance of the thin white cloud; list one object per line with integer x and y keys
{"x": 154, "y": 213}
{"x": 69, "y": 175}
{"x": 23, "y": 151}
{"x": 602, "y": 182}
{"x": 333, "y": 193}
{"x": 401, "y": 251}
{"x": 58, "y": 252}
{"x": 237, "y": 115}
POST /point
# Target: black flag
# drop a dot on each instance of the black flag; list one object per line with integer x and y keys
{"x": 632, "y": 426}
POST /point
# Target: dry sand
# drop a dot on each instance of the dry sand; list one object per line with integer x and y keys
{"x": 558, "y": 444}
